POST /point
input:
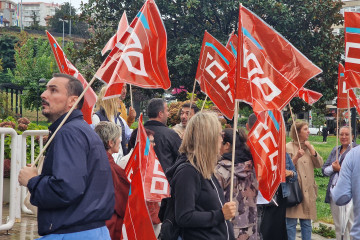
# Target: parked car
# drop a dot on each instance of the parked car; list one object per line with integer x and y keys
{"x": 315, "y": 130}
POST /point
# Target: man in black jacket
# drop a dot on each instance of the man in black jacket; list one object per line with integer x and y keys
{"x": 74, "y": 192}
{"x": 167, "y": 141}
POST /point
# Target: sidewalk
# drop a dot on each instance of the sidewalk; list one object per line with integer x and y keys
{"x": 313, "y": 235}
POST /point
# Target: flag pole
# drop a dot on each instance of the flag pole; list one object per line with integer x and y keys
{"x": 63, "y": 122}
{"x": 204, "y": 103}
{"x": 337, "y": 134}
{"x": 131, "y": 96}
{"x": 236, "y": 113}
{"x": 292, "y": 117}
{"x": 192, "y": 97}
{"x": 349, "y": 117}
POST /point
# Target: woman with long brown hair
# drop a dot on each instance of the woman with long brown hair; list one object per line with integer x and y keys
{"x": 305, "y": 160}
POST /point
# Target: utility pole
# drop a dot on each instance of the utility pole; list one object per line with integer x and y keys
{"x": 21, "y": 18}
{"x": 70, "y": 21}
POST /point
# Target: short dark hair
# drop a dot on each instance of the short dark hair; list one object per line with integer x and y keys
{"x": 132, "y": 140}
{"x": 74, "y": 87}
{"x": 251, "y": 120}
{"x": 155, "y": 106}
{"x": 193, "y": 106}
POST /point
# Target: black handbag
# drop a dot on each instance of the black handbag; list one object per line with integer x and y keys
{"x": 295, "y": 197}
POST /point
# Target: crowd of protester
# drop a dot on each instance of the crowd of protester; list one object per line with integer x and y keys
{"x": 75, "y": 193}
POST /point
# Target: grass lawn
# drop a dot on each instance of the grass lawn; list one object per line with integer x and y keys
{"x": 324, "y": 149}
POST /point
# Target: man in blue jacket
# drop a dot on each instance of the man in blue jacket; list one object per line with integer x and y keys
{"x": 74, "y": 192}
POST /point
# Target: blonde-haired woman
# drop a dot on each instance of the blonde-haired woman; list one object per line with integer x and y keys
{"x": 200, "y": 208}
{"x": 305, "y": 160}
{"x": 107, "y": 110}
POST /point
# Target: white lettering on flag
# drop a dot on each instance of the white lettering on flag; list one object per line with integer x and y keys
{"x": 221, "y": 78}
{"x": 350, "y": 45}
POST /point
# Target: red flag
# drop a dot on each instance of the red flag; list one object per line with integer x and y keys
{"x": 65, "y": 66}
{"x": 216, "y": 74}
{"x": 123, "y": 25}
{"x": 352, "y": 49}
{"x": 232, "y": 44}
{"x": 342, "y": 92}
{"x": 139, "y": 58}
{"x": 276, "y": 70}
{"x": 342, "y": 89}
{"x": 267, "y": 145}
{"x": 137, "y": 224}
{"x": 309, "y": 96}
{"x": 156, "y": 186}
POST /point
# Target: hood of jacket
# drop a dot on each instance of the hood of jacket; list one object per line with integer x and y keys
{"x": 243, "y": 163}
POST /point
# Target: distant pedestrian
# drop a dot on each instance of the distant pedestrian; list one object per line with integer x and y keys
{"x": 325, "y": 132}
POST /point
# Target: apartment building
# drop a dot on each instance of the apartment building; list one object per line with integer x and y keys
{"x": 8, "y": 13}
{"x": 42, "y": 10}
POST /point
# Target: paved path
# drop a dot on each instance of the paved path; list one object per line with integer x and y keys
{"x": 27, "y": 230}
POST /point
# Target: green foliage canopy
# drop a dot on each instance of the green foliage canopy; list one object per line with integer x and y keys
{"x": 306, "y": 24}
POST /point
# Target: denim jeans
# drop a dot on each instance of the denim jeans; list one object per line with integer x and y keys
{"x": 92, "y": 234}
{"x": 305, "y": 225}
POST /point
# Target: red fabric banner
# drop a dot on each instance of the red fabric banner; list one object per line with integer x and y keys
{"x": 156, "y": 186}
{"x": 309, "y": 96}
{"x": 352, "y": 49}
{"x": 216, "y": 74}
{"x": 274, "y": 69}
{"x": 232, "y": 44}
{"x": 137, "y": 224}
{"x": 342, "y": 89}
{"x": 65, "y": 66}
{"x": 139, "y": 58}
{"x": 342, "y": 92}
{"x": 123, "y": 25}
{"x": 267, "y": 145}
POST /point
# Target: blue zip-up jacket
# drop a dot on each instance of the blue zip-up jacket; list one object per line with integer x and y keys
{"x": 347, "y": 187}
{"x": 74, "y": 191}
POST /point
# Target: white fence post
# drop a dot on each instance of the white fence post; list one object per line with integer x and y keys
{"x": 13, "y": 177}
{"x": 32, "y": 134}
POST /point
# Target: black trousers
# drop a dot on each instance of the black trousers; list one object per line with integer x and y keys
{"x": 273, "y": 220}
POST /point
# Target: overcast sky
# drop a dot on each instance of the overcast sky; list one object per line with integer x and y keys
{"x": 75, "y": 3}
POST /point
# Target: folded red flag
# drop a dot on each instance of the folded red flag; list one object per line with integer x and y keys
{"x": 65, "y": 66}
{"x": 123, "y": 25}
{"x": 139, "y": 58}
{"x": 309, "y": 96}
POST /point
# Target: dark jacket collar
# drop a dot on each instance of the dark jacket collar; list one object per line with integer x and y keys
{"x": 154, "y": 123}
{"x": 75, "y": 114}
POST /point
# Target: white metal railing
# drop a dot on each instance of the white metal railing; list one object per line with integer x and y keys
{"x": 32, "y": 134}
{"x": 13, "y": 177}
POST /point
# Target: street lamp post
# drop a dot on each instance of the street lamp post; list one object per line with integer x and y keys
{"x": 41, "y": 81}
{"x": 63, "y": 21}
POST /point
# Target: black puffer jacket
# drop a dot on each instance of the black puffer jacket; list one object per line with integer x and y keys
{"x": 198, "y": 204}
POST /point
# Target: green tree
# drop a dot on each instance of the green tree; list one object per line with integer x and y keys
{"x": 306, "y": 24}
{"x": 77, "y": 26}
{"x": 34, "y": 60}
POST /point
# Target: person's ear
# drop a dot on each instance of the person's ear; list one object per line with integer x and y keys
{"x": 111, "y": 143}
{"x": 227, "y": 146}
{"x": 73, "y": 100}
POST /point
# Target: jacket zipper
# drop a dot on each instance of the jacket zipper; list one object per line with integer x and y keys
{"x": 227, "y": 229}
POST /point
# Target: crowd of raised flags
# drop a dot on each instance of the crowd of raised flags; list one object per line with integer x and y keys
{"x": 257, "y": 66}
